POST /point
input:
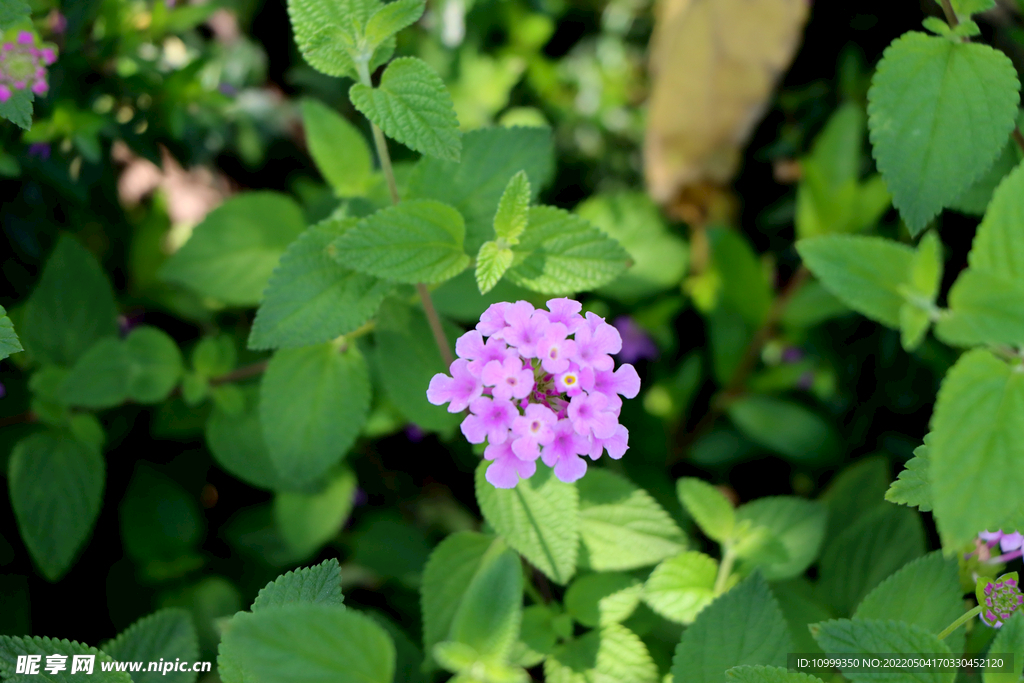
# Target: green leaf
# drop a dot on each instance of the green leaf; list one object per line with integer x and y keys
{"x": 154, "y": 364}
{"x": 801, "y": 607}
{"x": 392, "y": 18}
{"x": 338, "y": 148}
{"x": 447, "y": 574}
{"x": 784, "y": 426}
{"x": 743, "y": 626}
{"x": 539, "y": 518}
{"x": 12, "y": 647}
{"x": 71, "y": 308}
{"x": 708, "y": 506}
{"x": 912, "y": 486}
{"x": 9, "y": 342}
{"x": 621, "y": 526}
{"x": 313, "y": 402}
{"x": 491, "y": 263}
{"x": 488, "y": 616}
{"x": 310, "y": 297}
{"x": 797, "y": 523}
{"x": 767, "y": 674}
{"x": 315, "y": 643}
{"x": 13, "y": 12}
{"x": 160, "y": 520}
{"x": 939, "y": 113}
{"x": 561, "y": 253}
{"x": 612, "y": 653}
{"x": 975, "y": 468}
{"x": 998, "y": 246}
{"x": 18, "y": 109}
{"x": 412, "y": 105}
{"x": 308, "y": 520}
{"x": 854, "y": 493}
{"x": 745, "y": 287}
{"x": 232, "y": 253}
{"x": 966, "y": 8}
{"x": 606, "y": 598}
{"x": 1009, "y": 639}
{"x": 865, "y": 552}
{"x": 415, "y": 241}
{"x": 871, "y": 636}
{"x": 237, "y": 444}
{"x": 490, "y": 157}
{"x": 167, "y": 634}
{"x": 214, "y": 356}
{"x": 316, "y": 585}
{"x": 681, "y": 586}
{"x": 865, "y": 273}
{"x": 513, "y": 214}
{"x": 324, "y": 29}
{"x": 56, "y": 489}
{"x": 99, "y": 379}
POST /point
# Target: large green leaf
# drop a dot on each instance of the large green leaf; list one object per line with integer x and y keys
{"x": 237, "y": 444}
{"x": 797, "y": 523}
{"x": 767, "y": 674}
{"x": 610, "y": 654}
{"x": 325, "y": 28}
{"x": 998, "y": 246}
{"x": 154, "y": 364}
{"x": 232, "y": 253}
{"x": 871, "y": 636}
{"x": 786, "y": 427}
{"x": 338, "y": 148}
{"x": 56, "y": 488}
{"x": 490, "y": 611}
{"x": 9, "y": 342}
{"x": 13, "y": 647}
{"x": 681, "y": 586}
{"x": 540, "y": 518}
{"x": 604, "y": 598}
{"x": 412, "y": 105}
{"x": 313, "y": 403}
{"x": 939, "y": 113}
{"x": 307, "y": 520}
{"x": 912, "y": 486}
{"x": 168, "y": 635}
{"x": 99, "y": 378}
{"x": 975, "y": 466}
{"x": 317, "y": 585}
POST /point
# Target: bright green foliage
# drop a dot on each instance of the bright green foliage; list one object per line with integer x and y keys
{"x": 784, "y": 426}
{"x": 9, "y": 342}
{"x": 308, "y": 520}
{"x": 744, "y": 626}
{"x": 326, "y": 32}
{"x": 974, "y": 465}
{"x": 392, "y": 18}
{"x": 71, "y": 308}
{"x": 966, "y": 8}
{"x": 311, "y": 298}
{"x": 865, "y": 273}
{"x": 415, "y": 241}
{"x": 237, "y": 444}
{"x": 316, "y": 585}
{"x": 13, "y": 12}
{"x": 474, "y": 186}
{"x": 613, "y": 653}
{"x": 338, "y": 148}
{"x": 869, "y": 636}
{"x": 309, "y": 642}
{"x": 512, "y": 216}
{"x": 491, "y": 263}
{"x": 56, "y": 488}
{"x": 939, "y": 114}
{"x": 313, "y": 402}
{"x": 865, "y": 552}
{"x": 488, "y": 616}
{"x": 681, "y": 586}
{"x": 561, "y": 253}
{"x": 659, "y": 257}
{"x": 539, "y": 518}
{"x": 11, "y": 647}
{"x": 767, "y": 674}
{"x": 922, "y": 287}
{"x": 167, "y": 634}
{"x": 797, "y": 523}
{"x": 1009, "y": 639}
{"x": 998, "y": 246}
{"x": 709, "y": 507}
{"x": 232, "y": 253}
{"x": 537, "y": 634}
{"x": 912, "y": 486}
{"x": 606, "y": 598}
{"x": 621, "y": 526}
{"x": 412, "y": 105}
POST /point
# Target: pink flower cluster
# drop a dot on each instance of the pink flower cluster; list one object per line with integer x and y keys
{"x": 539, "y": 384}
{"x": 23, "y": 65}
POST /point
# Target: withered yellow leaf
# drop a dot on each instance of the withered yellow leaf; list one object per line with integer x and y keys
{"x": 713, "y": 65}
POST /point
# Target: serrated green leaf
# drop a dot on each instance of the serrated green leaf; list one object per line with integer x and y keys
{"x": 1010, "y": 638}
{"x": 237, "y": 444}
{"x": 998, "y": 246}
{"x": 338, "y": 148}
{"x": 13, "y": 12}
{"x": 319, "y": 584}
{"x": 71, "y": 308}
{"x": 743, "y": 626}
{"x": 912, "y": 486}
{"x": 167, "y": 634}
{"x": 560, "y": 253}
{"x": 490, "y": 611}
{"x": 392, "y": 18}
{"x": 412, "y": 105}
{"x": 708, "y": 506}
{"x": 324, "y": 30}
{"x": 611, "y": 653}
{"x": 315, "y": 643}
{"x": 56, "y": 489}
{"x": 154, "y": 364}
{"x": 416, "y": 241}
{"x": 871, "y": 636}
{"x": 939, "y": 114}
{"x": 539, "y": 518}
{"x": 491, "y": 263}
{"x": 681, "y": 586}
{"x": 975, "y": 468}
{"x": 797, "y": 523}
{"x": 621, "y": 526}
{"x": 13, "y": 647}
{"x": 232, "y": 253}
{"x": 767, "y": 674}
{"x": 313, "y": 403}
{"x": 310, "y": 297}
{"x": 513, "y": 212}
{"x": 606, "y": 598}
{"x": 966, "y": 8}
{"x": 308, "y": 520}
{"x": 9, "y": 342}
{"x": 865, "y": 273}
{"x": 18, "y": 108}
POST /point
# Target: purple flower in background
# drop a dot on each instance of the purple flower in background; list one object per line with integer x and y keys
{"x": 792, "y": 354}
{"x": 540, "y": 384}
{"x": 414, "y": 433}
{"x": 58, "y": 22}
{"x": 39, "y": 149}
{"x": 1007, "y": 542}
{"x": 3, "y": 390}
{"x": 23, "y": 63}
{"x": 998, "y": 599}
{"x": 636, "y": 343}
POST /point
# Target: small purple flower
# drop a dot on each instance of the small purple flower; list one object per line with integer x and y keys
{"x": 507, "y": 469}
{"x": 623, "y": 381}
{"x": 1007, "y": 542}
{"x": 563, "y": 453}
{"x": 23, "y": 65}
{"x": 526, "y": 327}
{"x": 509, "y": 378}
{"x": 492, "y": 322}
{"x": 998, "y": 599}
{"x": 792, "y": 354}
{"x": 3, "y": 390}
{"x": 532, "y": 430}
{"x": 636, "y": 344}
{"x": 360, "y": 498}
{"x": 25, "y": 38}
{"x": 616, "y": 445}
{"x": 571, "y": 381}
{"x": 458, "y": 390}
{"x": 472, "y": 347}
{"x": 590, "y": 415}
{"x": 489, "y": 419}
{"x": 58, "y": 22}
{"x": 554, "y": 350}
{"x": 567, "y": 312}
{"x": 414, "y": 433}
{"x": 595, "y": 342}
{"x": 5, "y": 93}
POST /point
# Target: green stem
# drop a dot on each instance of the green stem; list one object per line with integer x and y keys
{"x": 947, "y": 9}
{"x": 960, "y": 621}
{"x": 724, "y": 569}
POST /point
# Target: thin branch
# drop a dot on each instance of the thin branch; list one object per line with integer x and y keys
{"x": 239, "y": 374}
{"x": 947, "y": 9}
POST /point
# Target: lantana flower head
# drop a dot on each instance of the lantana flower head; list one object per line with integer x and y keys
{"x": 23, "y": 62}
{"x": 998, "y": 599}
{"x": 540, "y": 384}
